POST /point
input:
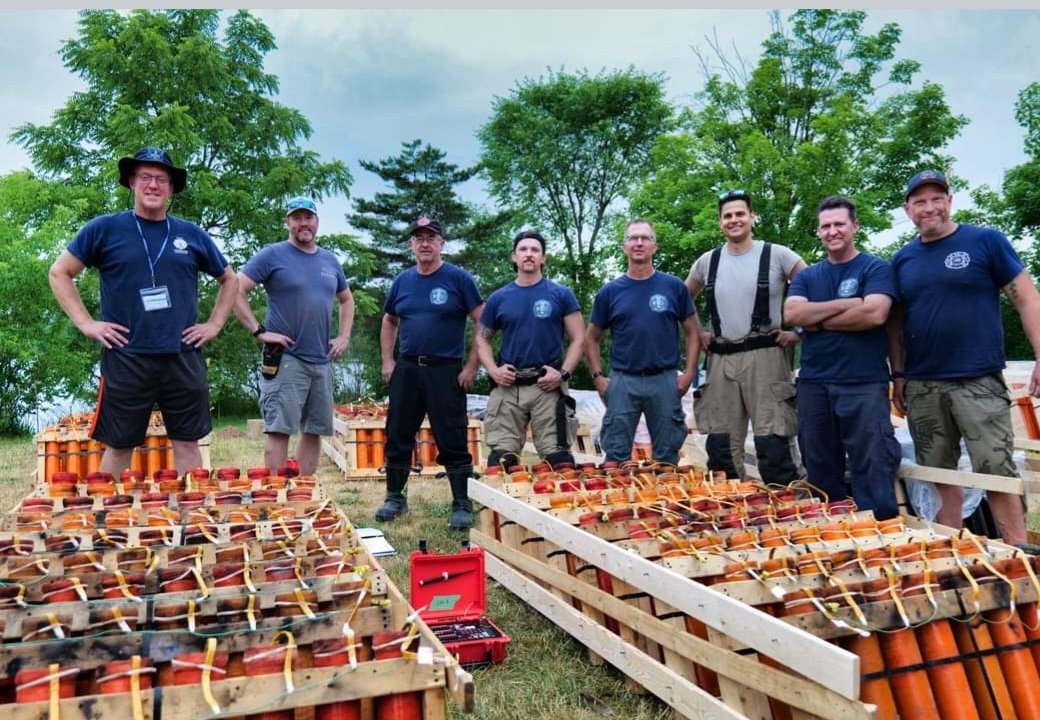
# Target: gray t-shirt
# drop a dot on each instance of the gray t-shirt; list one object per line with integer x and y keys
{"x": 735, "y": 284}
{"x": 300, "y": 290}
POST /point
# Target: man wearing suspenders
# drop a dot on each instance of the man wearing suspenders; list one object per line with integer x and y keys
{"x": 748, "y": 367}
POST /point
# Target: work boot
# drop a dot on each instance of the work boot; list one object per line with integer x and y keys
{"x": 461, "y": 515}
{"x": 395, "y": 503}
{"x": 461, "y": 507}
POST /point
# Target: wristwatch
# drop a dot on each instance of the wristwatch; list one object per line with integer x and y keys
{"x": 565, "y": 375}
{"x": 260, "y": 329}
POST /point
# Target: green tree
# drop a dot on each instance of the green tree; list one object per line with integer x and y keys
{"x": 42, "y": 356}
{"x": 827, "y": 109}
{"x": 565, "y": 149}
{"x": 167, "y": 79}
{"x": 420, "y": 181}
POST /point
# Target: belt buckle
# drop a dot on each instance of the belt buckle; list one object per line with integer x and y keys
{"x": 420, "y": 360}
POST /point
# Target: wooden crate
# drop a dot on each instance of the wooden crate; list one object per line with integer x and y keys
{"x": 356, "y": 447}
{"x": 309, "y": 603}
{"x": 639, "y": 611}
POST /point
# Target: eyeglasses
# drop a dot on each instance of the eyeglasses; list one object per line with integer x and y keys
{"x": 302, "y": 204}
{"x": 425, "y": 239}
{"x": 639, "y": 238}
{"x": 160, "y": 180}
{"x": 733, "y": 195}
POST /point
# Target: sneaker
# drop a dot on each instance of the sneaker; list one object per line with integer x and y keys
{"x": 394, "y": 505}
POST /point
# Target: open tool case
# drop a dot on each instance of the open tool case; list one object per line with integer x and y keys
{"x": 450, "y": 592}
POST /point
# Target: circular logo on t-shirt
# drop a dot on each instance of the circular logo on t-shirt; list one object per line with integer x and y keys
{"x": 541, "y": 309}
{"x": 848, "y": 287}
{"x": 958, "y": 260}
{"x": 180, "y": 243}
{"x": 658, "y": 303}
{"x": 438, "y": 296}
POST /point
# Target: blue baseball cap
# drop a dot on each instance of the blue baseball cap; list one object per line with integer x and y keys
{"x": 924, "y": 178}
{"x": 300, "y": 203}
{"x": 152, "y": 156}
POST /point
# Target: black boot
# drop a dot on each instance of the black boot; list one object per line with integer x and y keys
{"x": 461, "y": 507}
{"x": 395, "y": 503}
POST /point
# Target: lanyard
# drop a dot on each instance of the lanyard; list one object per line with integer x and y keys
{"x": 162, "y": 248}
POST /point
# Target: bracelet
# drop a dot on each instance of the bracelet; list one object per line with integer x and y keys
{"x": 598, "y": 374}
{"x": 896, "y": 375}
{"x": 260, "y": 329}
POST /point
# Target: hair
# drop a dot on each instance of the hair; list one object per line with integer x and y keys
{"x": 836, "y": 202}
{"x": 641, "y": 221}
{"x": 526, "y": 234}
{"x": 734, "y": 195}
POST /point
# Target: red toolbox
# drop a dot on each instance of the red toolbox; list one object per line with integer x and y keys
{"x": 450, "y": 592}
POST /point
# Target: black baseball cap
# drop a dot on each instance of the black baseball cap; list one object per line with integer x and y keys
{"x": 152, "y": 156}
{"x": 425, "y": 223}
{"x": 925, "y": 177}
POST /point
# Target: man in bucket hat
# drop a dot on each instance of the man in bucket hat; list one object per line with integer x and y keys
{"x": 148, "y": 262}
{"x": 427, "y": 308}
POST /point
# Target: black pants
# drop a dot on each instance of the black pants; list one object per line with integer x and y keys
{"x": 416, "y": 391}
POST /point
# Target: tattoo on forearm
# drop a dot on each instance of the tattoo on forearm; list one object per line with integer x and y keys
{"x": 486, "y": 332}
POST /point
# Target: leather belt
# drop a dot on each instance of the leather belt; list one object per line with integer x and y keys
{"x": 756, "y": 342}
{"x": 430, "y": 360}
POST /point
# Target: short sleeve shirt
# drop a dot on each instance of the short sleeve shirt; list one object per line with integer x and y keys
{"x": 120, "y": 246}
{"x": 300, "y": 289}
{"x": 643, "y": 318}
{"x": 735, "y": 284}
{"x": 950, "y": 289}
{"x": 841, "y": 356}
{"x": 432, "y": 310}
{"x": 531, "y": 320}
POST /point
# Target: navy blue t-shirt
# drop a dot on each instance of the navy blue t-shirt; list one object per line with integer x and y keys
{"x": 300, "y": 289}
{"x": 950, "y": 290}
{"x": 113, "y": 244}
{"x": 433, "y": 310}
{"x": 642, "y": 316}
{"x": 531, "y": 318}
{"x": 842, "y": 356}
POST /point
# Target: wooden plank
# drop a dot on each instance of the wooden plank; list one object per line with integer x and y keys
{"x": 795, "y": 691}
{"x": 832, "y": 666}
{"x": 672, "y": 688}
{"x": 250, "y": 695}
{"x": 963, "y": 479}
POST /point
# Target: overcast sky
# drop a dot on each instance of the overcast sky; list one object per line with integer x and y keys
{"x": 369, "y": 80}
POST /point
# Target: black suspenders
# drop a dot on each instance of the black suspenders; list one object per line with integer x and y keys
{"x": 760, "y": 312}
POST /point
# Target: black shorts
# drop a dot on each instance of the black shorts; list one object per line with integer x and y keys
{"x": 131, "y": 384}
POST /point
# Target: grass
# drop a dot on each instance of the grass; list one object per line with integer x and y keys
{"x": 545, "y": 675}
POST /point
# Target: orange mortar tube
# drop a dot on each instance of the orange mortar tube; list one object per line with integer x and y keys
{"x": 361, "y": 444}
{"x": 52, "y": 459}
{"x": 912, "y": 690}
{"x": 73, "y": 459}
{"x": 937, "y": 643}
{"x": 988, "y": 686}
{"x": 377, "y": 449}
{"x": 1016, "y": 660}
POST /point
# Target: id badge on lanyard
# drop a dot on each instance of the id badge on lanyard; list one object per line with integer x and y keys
{"x": 156, "y": 297}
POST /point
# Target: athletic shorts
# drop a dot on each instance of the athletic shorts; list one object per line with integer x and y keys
{"x": 133, "y": 383}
